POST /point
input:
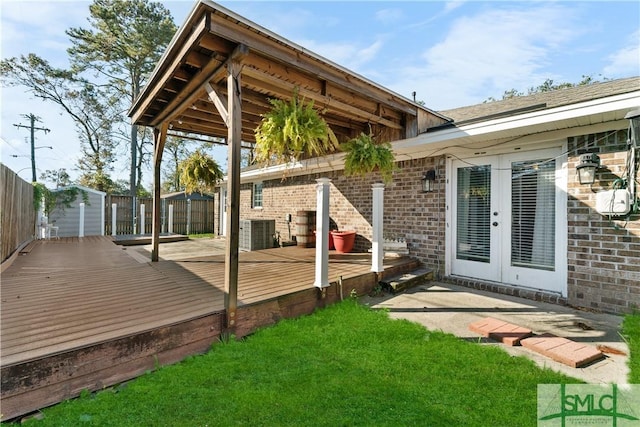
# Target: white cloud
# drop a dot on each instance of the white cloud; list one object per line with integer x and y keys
{"x": 495, "y": 50}
{"x": 346, "y": 54}
{"x": 451, "y": 6}
{"x": 42, "y": 25}
{"x": 626, "y": 61}
{"x": 389, "y": 16}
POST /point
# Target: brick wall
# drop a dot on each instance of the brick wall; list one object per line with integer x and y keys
{"x": 408, "y": 213}
{"x": 603, "y": 252}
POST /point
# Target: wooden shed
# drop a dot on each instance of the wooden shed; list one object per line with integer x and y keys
{"x": 85, "y": 215}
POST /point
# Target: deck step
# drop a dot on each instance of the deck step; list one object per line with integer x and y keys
{"x": 500, "y": 330}
{"x": 563, "y": 350}
{"x": 407, "y": 280}
{"x": 27, "y": 249}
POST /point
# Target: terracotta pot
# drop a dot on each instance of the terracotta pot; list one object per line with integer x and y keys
{"x": 331, "y": 246}
{"x": 344, "y": 240}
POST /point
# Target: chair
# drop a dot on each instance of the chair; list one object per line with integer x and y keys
{"x": 54, "y": 229}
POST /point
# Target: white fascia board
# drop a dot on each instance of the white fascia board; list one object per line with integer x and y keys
{"x": 333, "y": 162}
{"x": 529, "y": 123}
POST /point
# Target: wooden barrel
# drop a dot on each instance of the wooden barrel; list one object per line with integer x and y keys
{"x": 305, "y": 227}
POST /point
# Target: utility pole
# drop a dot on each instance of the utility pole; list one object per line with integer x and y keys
{"x": 33, "y": 120}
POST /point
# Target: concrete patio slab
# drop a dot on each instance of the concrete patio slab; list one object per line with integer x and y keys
{"x": 451, "y": 308}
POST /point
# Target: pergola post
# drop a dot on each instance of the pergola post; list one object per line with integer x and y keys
{"x": 233, "y": 185}
{"x": 377, "y": 240}
{"x": 322, "y": 236}
{"x": 159, "y": 138}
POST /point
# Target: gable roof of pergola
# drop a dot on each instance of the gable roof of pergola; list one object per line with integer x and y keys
{"x": 190, "y": 78}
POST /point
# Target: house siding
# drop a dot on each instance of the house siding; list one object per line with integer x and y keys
{"x": 68, "y": 218}
{"x": 603, "y": 252}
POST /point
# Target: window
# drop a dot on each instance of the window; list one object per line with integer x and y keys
{"x": 257, "y": 195}
{"x": 533, "y": 208}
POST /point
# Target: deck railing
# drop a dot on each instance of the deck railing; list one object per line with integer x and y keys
{"x": 189, "y": 216}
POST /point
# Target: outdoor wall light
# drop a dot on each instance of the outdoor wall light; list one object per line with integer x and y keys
{"x": 589, "y": 164}
{"x": 428, "y": 181}
{"x": 634, "y": 126}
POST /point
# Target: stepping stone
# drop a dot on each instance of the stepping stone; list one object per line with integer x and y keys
{"x": 500, "y": 330}
{"x": 563, "y": 350}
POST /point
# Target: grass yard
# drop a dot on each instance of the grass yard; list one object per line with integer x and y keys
{"x": 631, "y": 332}
{"x": 202, "y": 236}
{"x": 344, "y": 365}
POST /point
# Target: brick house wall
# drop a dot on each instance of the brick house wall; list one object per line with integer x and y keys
{"x": 603, "y": 252}
{"x": 408, "y": 213}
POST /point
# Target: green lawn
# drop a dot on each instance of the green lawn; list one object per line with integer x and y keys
{"x": 631, "y": 332}
{"x": 344, "y": 365}
{"x": 202, "y": 236}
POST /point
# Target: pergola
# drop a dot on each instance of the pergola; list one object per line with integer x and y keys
{"x": 216, "y": 78}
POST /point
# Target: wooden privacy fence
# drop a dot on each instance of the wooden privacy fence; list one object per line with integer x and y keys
{"x": 18, "y": 215}
{"x": 189, "y": 216}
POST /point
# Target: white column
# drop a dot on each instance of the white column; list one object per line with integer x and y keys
{"x": 188, "y": 216}
{"x": 114, "y": 217}
{"x": 170, "y": 227}
{"x": 142, "y": 224}
{"x": 81, "y": 226}
{"x": 322, "y": 230}
{"x": 377, "y": 248}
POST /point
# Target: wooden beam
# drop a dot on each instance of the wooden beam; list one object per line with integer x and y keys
{"x": 285, "y": 89}
{"x": 299, "y": 58}
{"x": 234, "y": 88}
{"x": 156, "y": 85}
{"x": 159, "y": 138}
{"x": 212, "y": 71}
{"x": 219, "y": 101}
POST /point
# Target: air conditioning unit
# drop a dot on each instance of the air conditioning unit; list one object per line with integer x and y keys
{"x": 613, "y": 202}
{"x": 256, "y": 234}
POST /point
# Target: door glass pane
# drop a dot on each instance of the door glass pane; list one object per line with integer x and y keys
{"x": 474, "y": 213}
{"x": 533, "y": 214}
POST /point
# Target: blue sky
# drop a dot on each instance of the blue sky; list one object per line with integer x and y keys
{"x": 451, "y": 54}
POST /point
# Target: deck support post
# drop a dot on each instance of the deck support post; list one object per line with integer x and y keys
{"x": 377, "y": 241}
{"x": 159, "y": 138}
{"x": 322, "y": 233}
{"x": 234, "y": 142}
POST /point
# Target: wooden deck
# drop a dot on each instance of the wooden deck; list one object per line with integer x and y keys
{"x": 69, "y": 301}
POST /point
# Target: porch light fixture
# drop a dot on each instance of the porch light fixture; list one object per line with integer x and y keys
{"x": 589, "y": 164}
{"x": 428, "y": 181}
{"x": 634, "y": 126}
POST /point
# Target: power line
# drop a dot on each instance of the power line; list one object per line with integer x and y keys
{"x": 33, "y": 119}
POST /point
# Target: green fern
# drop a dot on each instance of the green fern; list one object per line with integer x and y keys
{"x": 199, "y": 172}
{"x": 365, "y": 156}
{"x": 292, "y": 130}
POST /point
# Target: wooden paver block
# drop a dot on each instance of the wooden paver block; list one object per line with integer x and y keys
{"x": 500, "y": 330}
{"x": 563, "y": 350}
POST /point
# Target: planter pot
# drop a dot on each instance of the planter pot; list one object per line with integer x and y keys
{"x": 343, "y": 241}
{"x": 331, "y": 245}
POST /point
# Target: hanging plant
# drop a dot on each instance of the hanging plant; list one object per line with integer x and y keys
{"x": 364, "y": 156}
{"x": 199, "y": 172}
{"x": 292, "y": 130}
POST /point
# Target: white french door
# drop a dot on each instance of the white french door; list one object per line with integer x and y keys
{"x": 508, "y": 219}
